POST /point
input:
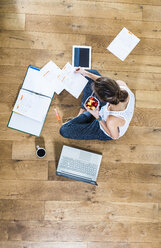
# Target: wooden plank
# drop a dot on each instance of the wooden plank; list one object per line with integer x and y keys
{"x": 159, "y": 212}
{"x": 36, "y": 40}
{"x": 143, "y": 245}
{"x": 146, "y": 46}
{"x": 112, "y": 150}
{"x": 142, "y": 2}
{"x": 6, "y": 150}
{"x": 92, "y": 26}
{"x": 145, "y": 232}
{"x": 145, "y": 99}
{"x": 12, "y": 74}
{"x": 9, "y": 93}
{"x": 35, "y": 57}
{"x": 76, "y": 8}
{"x": 127, "y": 173}
{"x": 114, "y": 172}
{"x": 76, "y": 191}
{"x": 25, "y": 170}
{"x": 10, "y": 21}
{"x": 141, "y": 118}
{"x": 29, "y": 244}
{"x": 108, "y": 244}
{"x": 141, "y": 135}
{"x": 65, "y": 231}
{"x": 55, "y": 41}
{"x": 133, "y": 63}
{"x": 104, "y": 231}
{"x": 123, "y": 245}
{"x": 21, "y": 210}
{"x": 151, "y": 13}
{"x": 100, "y": 211}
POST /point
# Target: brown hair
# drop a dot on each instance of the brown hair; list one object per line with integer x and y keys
{"x": 108, "y": 90}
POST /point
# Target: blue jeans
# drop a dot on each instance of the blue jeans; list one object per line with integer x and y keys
{"x": 84, "y": 126}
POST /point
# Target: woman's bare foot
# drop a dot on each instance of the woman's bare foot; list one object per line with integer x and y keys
{"x": 81, "y": 111}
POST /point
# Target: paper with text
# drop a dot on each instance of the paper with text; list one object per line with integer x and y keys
{"x": 49, "y": 79}
{"x": 32, "y": 105}
{"x": 123, "y": 44}
{"x": 73, "y": 82}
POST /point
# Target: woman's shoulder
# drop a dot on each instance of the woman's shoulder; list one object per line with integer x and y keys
{"x": 121, "y": 83}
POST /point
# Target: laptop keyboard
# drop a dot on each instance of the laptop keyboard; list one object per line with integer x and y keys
{"x": 78, "y": 166}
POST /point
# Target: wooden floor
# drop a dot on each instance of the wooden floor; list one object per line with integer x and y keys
{"x": 41, "y": 210}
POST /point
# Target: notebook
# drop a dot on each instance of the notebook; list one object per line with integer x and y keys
{"x": 123, "y": 44}
{"x": 79, "y": 165}
{"x": 32, "y": 105}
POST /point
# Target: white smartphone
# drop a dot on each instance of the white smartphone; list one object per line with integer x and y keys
{"x": 81, "y": 56}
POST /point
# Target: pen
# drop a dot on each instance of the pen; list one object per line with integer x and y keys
{"x": 57, "y": 115}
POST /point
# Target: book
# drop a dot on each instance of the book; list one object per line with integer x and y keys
{"x": 123, "y": 44}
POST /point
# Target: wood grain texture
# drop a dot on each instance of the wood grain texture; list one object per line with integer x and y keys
{"x": 29, "y": 244}
{"x": 10, "y": 21}
{"x": 83, "y": 25}
{"x": 77, "y": 8}
{"x": 21, "y": 210}
{"x": 39, "y": 208}
{"x": 74, "y": 191}
{"x": 132, "y": 212}
{"x": 26, "y": 170}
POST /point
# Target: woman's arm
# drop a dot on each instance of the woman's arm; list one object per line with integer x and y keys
{"x": 110, "y": 126}
{"x": 86, "y": 73}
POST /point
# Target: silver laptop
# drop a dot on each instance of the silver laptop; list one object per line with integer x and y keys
{"x": 79, "y": 164}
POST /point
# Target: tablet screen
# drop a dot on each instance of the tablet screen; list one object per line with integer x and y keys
{"x": 82, "y": 57}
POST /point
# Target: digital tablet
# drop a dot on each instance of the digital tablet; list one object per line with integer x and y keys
{"x": 81, "y": 56}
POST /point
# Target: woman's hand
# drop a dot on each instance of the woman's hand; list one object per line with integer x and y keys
{"x": 81, "y": 71}
{"x": 95, "y": 112}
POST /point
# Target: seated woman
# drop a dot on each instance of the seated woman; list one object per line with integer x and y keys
{"x": 108, "y": 121}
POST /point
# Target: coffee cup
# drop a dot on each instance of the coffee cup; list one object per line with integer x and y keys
{"x": 40, "y": 152}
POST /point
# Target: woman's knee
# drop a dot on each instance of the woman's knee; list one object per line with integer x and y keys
{"x": 64, "y": 131}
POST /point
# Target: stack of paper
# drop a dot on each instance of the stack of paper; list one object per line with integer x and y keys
{"x": 56, "y": 79}
{"x": 123, "y": 44}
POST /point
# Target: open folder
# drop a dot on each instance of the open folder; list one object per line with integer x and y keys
{"x": 32, "y": 104}
{"x": 35, "y": 96}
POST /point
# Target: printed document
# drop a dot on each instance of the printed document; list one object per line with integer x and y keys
{"x": 32, "y": 105}
{"x": 45, "y": 81}
{"x": 73, "y": 82}
{"x": 123, "y": 44}
{"x": 49, "y": 81}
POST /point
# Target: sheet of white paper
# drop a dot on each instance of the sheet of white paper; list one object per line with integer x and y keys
{"x": 32, "y": 105}
{"x": 73, "y": 82}
{"x": 49, "y": 79}
{"x": 123, "y": 44}
{"x": 31, "y": 81}
{"x": 25, "y": 124}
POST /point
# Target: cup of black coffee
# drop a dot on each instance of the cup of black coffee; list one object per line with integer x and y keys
{"x": 40, "y": 152}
